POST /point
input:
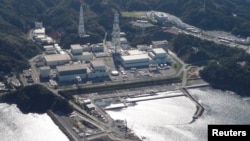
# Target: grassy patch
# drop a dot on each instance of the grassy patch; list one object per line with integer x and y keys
{"x": 133, "y": 14}
{"x": 177, "y": 66}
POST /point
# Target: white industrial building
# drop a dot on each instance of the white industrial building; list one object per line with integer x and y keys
{"x": 84, "y": 56}
{"x": 86, "y": 48}
{"x": 135, "y": 52}
{"x": 59, "y": 49}
{"x": 160, "y": 44}
{"x": 167, "y": 18}
{"x": 45, "y": 71}
{"x": 138, "y": 59}
{"x": 49, "y": 49}
{"x": 98, "y": 69}
{"x": 79, "y": 53}
{"x": 123, "y": 41}
{"x": 71, "y": 72}
{"x": 39, "y": 34}
{"x": 129, "y": 61}
{"x": 98, "y": 65}
{"x": 57, "y": 59}
{"x": 76, "y": 49}
{"x": 144, "y": 47}
{"x": 97, "y": 47}
{"x": 159, "y": 56}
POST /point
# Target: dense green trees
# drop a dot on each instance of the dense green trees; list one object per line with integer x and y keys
{"x": 226, "y": 68}
{"x": 37, "y": 99}
{"x": 196, "y": 51}
{"x": 228, "y": 76}
{"x": 60, "y": 17}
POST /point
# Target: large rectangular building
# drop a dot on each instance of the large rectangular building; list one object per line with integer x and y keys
{"x": 138, "y": 59}
{"x": 45, "y": 72}
{"x": 84, "y": 56}
{"x": 98, "y": 69}
{"x": 71, "y": 72}
{"x": 159, "y": 52}
{"x": 97, "y": 47}
{"x": 98, "y": 65}
{"x": 159, "y": 56}
{"x": 160, "y": 44}
{"x": 76, "y": 49}
{"x": 57, "y": 59}
{"x": 129, "y": 61}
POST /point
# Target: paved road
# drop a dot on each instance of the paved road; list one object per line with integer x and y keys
{"x": 35, "y": 74}
{"x": 175, "y": 57}
{"x": 184, "y": 77}
{"x": 67, "y": 126}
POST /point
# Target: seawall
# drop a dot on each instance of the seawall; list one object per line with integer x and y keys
{"x": 61, "y": 127}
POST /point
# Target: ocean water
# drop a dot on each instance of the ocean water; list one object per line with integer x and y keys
{"x": 16, "y": 126}
{"x": 170, "y": 119}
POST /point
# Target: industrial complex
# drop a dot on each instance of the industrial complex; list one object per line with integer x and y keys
{"x": 81, "y": 63}
{"x": 101, "y": 68}
{"x": 84, "y": 60}
{"x": 91, "y": 77}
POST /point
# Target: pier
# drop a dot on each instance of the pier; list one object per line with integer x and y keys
{"x": 199, "y": 108}
{"x": 197, "y": 86}
{"x": 139, "y": 98}
{"x": 152, "y": 98}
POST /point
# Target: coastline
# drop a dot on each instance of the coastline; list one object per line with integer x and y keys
{"x": 15, "y": 124}
{"x": 214, "y": 113}
{"x": 57, "y": 122}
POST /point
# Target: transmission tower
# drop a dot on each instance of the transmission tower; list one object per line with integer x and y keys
{"x": 116, "y": 33}
{"x": 81, "y": 30}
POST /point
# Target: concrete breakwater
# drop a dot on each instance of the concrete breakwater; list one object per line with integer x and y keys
{"x": 61, "y": 126}
{"x": 199, "y": 107}
{"x": 125, "y": 102}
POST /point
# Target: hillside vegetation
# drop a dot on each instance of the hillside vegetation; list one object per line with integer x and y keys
{"x": 226, "y": 68}
{"x": 36, "y": 99}
{"x": 60, "y": 17}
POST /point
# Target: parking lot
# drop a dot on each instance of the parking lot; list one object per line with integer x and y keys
{"x": 143, "y": 73}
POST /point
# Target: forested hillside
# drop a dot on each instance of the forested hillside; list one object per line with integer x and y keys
{"x": 60, "y": 17}
{"x": 226, "y": 68}
{"x": 229, "y": 15}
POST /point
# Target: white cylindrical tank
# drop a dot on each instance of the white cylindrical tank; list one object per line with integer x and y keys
{"x": 114, "y": 73}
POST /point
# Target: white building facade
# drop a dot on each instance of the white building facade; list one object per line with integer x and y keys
{"x": 71, "y": 72}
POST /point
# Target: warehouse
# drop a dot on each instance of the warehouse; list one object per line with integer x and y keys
{"x": 160, "y": 44}
{"x": 137, "y": 59}
{"x": 71, "y": 72}
{"x": 135, "y": 52}
{"x": 98, "y": 65}
{"x": 84, "y": 56}
{"x": 98, "y": 69}
{"x": 159, "y": 52}
{"x": 45, "y": 72}
{"x": 97, "y": 47}
{"x": 140, "y": 60}
{"x": 76, "y": 49}
{"x": 86, "y": 48}
{"x": 159, "y": 56}
{"x": 57, "y": 59}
